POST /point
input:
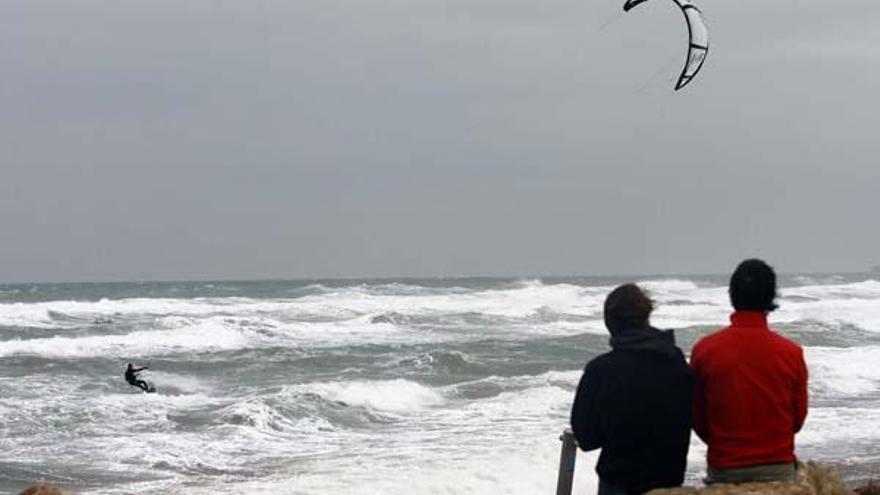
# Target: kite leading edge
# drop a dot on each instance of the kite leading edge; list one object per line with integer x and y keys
{"x": 698, "y": 39}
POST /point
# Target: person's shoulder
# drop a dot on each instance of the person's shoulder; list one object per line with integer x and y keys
{"x": 786, "y": 343}
{"x": 710, "y": 340}
{"x": 599, "y": 363}
{"x": 601, "y": 359}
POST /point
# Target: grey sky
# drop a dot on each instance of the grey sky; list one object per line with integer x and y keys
{"x": 156, "y": 139}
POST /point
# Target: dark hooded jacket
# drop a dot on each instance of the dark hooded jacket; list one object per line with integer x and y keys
{"x": 635, "y": 404}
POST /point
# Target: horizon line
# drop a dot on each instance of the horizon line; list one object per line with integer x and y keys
{"x": 342, "y": 278}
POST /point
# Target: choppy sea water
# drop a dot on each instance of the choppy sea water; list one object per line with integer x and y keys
{"x": 439, "y": 386}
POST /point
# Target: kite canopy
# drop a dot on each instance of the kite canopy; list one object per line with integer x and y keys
{"x": 698, "y": 45}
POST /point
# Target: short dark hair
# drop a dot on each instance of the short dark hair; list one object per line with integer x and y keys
{"x": 753, "y": 286}
{"x": 627, "y": 307}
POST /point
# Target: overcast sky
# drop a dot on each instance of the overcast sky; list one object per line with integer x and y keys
{"x": 179, "y": 139}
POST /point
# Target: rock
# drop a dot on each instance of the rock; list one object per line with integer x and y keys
{"x": 43, "y": 489}
{"x": 872, "y": 488}
{"x": 813, "y": 479}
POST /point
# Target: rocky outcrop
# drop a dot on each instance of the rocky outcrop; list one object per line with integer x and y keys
{"x": 43, "y": 489}
{"x": 813, "y": 479}
{"x": 872, "y": 488}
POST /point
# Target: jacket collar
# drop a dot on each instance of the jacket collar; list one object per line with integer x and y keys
{"x": 645, "y": 339}
{"x": 750, "y": 319}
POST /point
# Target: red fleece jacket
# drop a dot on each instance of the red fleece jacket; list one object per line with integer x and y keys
{"x": 750, "y": 393}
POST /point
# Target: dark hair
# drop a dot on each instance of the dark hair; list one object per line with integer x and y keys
{"x": 627, "y": 307}
{"x": 753, "y": 286}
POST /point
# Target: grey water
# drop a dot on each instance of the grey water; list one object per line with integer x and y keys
{"x": 416, "y": 386}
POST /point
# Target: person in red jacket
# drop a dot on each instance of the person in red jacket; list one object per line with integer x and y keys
{"x": 750, "y": 387}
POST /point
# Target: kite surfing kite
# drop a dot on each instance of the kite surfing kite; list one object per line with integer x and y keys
{"x": 699, "y": 39}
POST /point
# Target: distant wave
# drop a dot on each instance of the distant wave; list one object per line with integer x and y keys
{"x": 343, "y": 316}
{"x": 666, "y": 287}
{"x": 847, "y": 372}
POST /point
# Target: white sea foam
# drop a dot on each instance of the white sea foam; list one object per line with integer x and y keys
{"x": 862, "y": 312}
{"x": 504, "y": 444}
{"x": 176, "y": 382}
{"x": 519, "y": 301}
{"x": 396, "y": 396}
{"x": 179, "y": 334}
{"x": 203, "y": 337}
{"x": 680, "y": 303}
{"x": 257, "y": 414}
{"x": 343, "y": 317}
{"x": 135, "y": 432}
{"x": 844, "y": 371}
{"x": 521, "y": 470}
{"x": 867, "y": 289}
{"x": 668, "y": 287}
{"x": 40, "y": 315}
{"x": 565, "y": 380}
{"x": 841, "y": 433}
{"x": 858, "y": 304}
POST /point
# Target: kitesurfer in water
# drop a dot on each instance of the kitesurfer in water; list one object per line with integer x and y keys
{"x": 131, "y": 376}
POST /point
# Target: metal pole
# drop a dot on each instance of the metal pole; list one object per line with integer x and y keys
{"x": 566, "y": 463}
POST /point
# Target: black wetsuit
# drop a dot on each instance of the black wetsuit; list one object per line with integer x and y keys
{"x": 132, "y": 378}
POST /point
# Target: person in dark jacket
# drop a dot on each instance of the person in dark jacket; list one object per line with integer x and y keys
{"x": 635, "y": 401}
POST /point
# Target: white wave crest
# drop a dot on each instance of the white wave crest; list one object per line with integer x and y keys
{"x": 348, "y": 316}
{"x": 202, "y": 337}
{"x": 844, "y": 371}
{"x": 266, "y": 419}
{"x": 396, "y": 396}
{"x": 665, "y": 287}
{"x": 177, "y": 335}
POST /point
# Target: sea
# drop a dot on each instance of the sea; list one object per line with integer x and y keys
{"x": 452, "y": 386}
